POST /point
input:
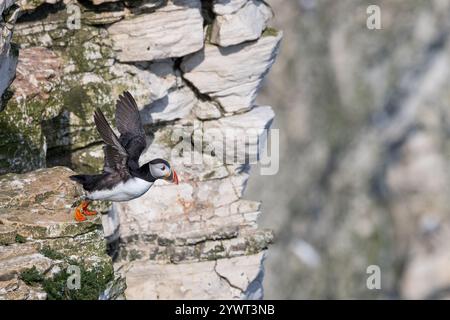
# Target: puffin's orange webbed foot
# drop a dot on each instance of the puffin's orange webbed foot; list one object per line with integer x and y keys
{"x": 79, "y": 215}
{"x": 89, "y": 212}
{"x": 86, "y": 211}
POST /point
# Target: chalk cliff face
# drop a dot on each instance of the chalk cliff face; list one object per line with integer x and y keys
{"x": 194, "y": 68}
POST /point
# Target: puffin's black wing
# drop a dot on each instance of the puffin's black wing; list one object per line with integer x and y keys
{"x": 128, "y": 119}
{"x": 132, "y": 134}
{"x": 115, "y": 162}
{"x": 116, "y": 156}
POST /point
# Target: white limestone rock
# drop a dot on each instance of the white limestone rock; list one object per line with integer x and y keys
{"x": 222, "y": 279}
{"x": 183, "y": 222}
{"x": 205, "y": 110}
{"x": 171, "y": 210}
{"x": 245, "y": 273}
{"x": 244, "y": 135}
{"x": 173, "y": 30}
{"x": 164, "y": 77}
{"x": 147, "y": 82}
{"x": 232, "y": 75}
{"x": 222, "y": 7}
{"x": 244, "y": 25}
{"x": 177, "y": 104}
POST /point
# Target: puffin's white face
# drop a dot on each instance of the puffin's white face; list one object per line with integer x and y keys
{"x": 160, "y": 170}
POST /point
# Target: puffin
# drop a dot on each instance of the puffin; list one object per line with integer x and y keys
{"x": 122, "y": 179}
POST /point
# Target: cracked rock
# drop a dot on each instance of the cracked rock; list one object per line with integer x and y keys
{"x": 173, "y": 30}
{"x": 226, "y": 269}
{"x": 245, "y": 24}
{"x": 176, "y": 104}
{"x": 244, "y": 134}
{"x": 232, "y": 75}
{"x": 192, "y": 281}
{"x": 205, "y": 110}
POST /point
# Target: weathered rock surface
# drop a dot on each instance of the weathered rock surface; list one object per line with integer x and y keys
{"x": 243, "y": 134}
{"x": 56, "y": 89}
{"x": 232, "y": 75}
{"x": 39, "y": 238}
{"x": 176, "y": 29}
{"x": 245, "y": 24}
{"x": 175, "y": 105}
{"x": 204, "y": 280}
{"x": 30, "y": 5}
{"x": 223, "y": 7}
{"x": 188, "y": 225}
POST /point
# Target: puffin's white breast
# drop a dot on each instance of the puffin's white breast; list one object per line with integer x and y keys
{"x": 131, "y": 189}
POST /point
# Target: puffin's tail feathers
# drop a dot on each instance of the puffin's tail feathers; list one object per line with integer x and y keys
{"x": 88, "y": 181}
{"x": 80, "y": 178}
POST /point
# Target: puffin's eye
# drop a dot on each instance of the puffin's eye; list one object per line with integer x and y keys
{"x": 163, "y": 168}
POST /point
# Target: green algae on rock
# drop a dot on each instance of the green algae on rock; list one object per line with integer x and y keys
{"x": 55, "y": 92}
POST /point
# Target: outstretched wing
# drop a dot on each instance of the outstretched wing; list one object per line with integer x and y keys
{"x": 116, "y": 157}
{"x": 115, "y": 163}
{"x": 128, "y": 119}
{"x": 132, "y": 134}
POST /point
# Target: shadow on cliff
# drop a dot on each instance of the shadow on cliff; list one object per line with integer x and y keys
{"x": 53, "y": 130}
{"x": 156, "y": 106}
{"x": 15, "y": 150}
{"x": 138, "y": 6}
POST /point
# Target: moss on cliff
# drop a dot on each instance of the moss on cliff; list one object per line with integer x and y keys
{"x": 31, "y": 276}
{"x": 21, "y": 137}
{"x": 93, "y": 282}
{"x": 35, "y": 128}
{"x": 270, "y": 32}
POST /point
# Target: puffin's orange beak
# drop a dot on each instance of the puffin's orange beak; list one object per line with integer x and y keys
{"x": 174, "y": 177}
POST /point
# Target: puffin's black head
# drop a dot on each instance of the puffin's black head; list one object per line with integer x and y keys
{"x": 160, "y": 169}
